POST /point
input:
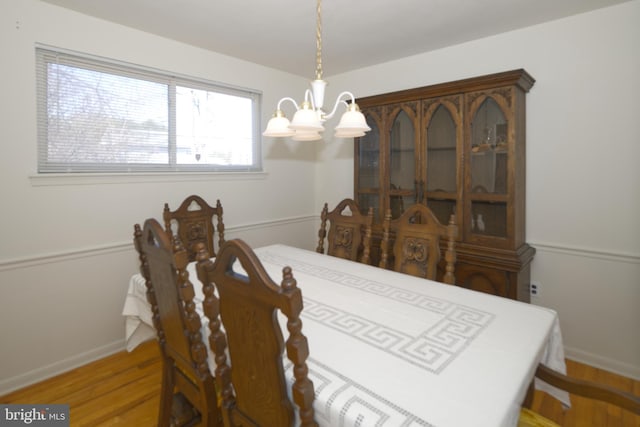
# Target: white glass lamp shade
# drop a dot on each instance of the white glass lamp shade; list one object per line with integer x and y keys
{"x": 278, "y": 126}
{"x": 306, "y": 119}
{"x": 310, "y": 135}
{"x": 352, "y": 123}
{"x": 348, "y": 133}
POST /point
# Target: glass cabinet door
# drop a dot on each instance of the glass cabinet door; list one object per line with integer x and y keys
{"x": 368, "y": 174}
{"x": 441, "y": 162}
{"x": 489, "y": 163}
{"x": 402, "y": 158}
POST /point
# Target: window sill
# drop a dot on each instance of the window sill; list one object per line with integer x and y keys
{"x": 60, "y": 179}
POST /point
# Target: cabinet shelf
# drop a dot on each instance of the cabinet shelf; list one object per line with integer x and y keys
{"x": 441, "y": 149}
{"x": 488, "y": 197}
{"x": 441, "y": 195}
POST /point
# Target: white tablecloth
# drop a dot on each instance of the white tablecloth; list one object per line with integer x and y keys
{"x": 388, "y": 349}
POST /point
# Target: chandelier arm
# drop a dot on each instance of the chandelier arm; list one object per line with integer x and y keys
{"x": 335, "y": 107}
{"x": 286, "y": 98}
{"x": 308, "y": 97}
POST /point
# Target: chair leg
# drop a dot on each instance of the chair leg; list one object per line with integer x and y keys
{"x": 209, "y": 416}
{"x": 166, "y": 394}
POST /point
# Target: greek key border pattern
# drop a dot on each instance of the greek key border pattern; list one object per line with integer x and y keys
{"x": 358, "y": 405}
{"x": 433, "y": 349}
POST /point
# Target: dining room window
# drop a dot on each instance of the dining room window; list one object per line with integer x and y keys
{"x": 100, "y": 115}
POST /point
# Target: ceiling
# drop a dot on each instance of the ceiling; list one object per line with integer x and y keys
{"x": 355, "y": 33}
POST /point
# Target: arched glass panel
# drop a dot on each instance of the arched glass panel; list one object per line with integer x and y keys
{"x": 441, "y": 152}
{"x": 441, "y": 164}
{"x": 401, "y": 163}
{"x": 489, "y": 162}
{"x": 369, "y": 157}
{"x": 368, "y": 192}
{"x": 489, "y": 149}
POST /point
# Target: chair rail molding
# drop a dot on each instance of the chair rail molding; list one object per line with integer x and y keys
{"x": 587, "y": 252}
{"x": 115, "y": 247}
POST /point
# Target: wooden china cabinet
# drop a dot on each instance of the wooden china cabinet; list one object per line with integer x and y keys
{"x": 459, "y": 147}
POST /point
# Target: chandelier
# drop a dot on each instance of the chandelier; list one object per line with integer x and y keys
{"x": 309, "y": 116}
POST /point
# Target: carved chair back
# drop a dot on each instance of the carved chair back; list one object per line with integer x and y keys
{"x": 416, "y": 249}
{"x": 194, "y": 224}
{"x": 170, "y": 293}
{"x": 246, "y": 304}
{"x": 349, "y": 234}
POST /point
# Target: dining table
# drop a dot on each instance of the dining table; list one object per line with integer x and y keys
{"x": 390, "y": 349}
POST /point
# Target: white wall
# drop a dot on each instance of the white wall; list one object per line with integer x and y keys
{"x": 65, "y": 245}
{"x": 583, "y": 178}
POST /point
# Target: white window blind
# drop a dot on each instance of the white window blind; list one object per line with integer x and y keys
{"x": 97, "y": 115}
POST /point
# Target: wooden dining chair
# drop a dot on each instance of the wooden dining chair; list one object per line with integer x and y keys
{"x": 252, "y": 386}
{"x": 588, "y": 389}
{"x": 186, "y": 378}
{"x": 194, "y": 223}
{"x": 416, "y": 249}
{"x": 349, "y": 231}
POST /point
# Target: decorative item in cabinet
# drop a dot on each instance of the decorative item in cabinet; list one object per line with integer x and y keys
{"x": 459, "y": 147}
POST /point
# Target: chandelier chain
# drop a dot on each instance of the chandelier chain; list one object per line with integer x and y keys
{"x": 318, "y": 42}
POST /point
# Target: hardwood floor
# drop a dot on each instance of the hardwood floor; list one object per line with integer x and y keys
{"x": 119, "y": 390}
{"x": 586, "y": 412}
{"x": 123, "y": 390}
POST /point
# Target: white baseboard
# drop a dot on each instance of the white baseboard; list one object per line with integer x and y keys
{"x": 40, "y": 374}
{"x": 611, "y": 365}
